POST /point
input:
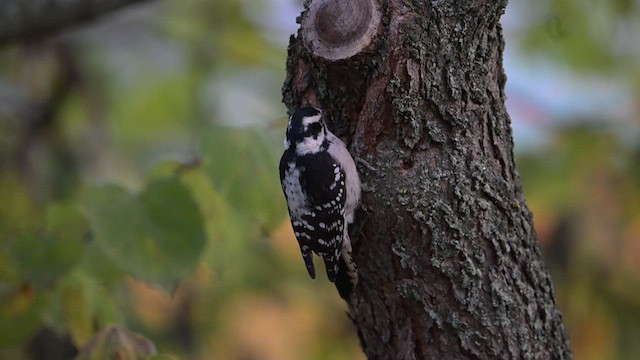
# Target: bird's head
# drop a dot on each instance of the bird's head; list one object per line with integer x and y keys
{"x": 306, "y": 132}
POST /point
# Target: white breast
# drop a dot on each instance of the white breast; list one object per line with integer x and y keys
{"x": 293, "y": 190}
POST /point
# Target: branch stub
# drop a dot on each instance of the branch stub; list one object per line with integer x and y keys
{"x": 339, "y": 29}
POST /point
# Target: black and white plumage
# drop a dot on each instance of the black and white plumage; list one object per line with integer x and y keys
{"x": 322, "y": 188}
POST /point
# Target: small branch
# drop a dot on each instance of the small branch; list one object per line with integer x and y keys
{"x": 21, "y": 19}
{"x": 339, "y": 29}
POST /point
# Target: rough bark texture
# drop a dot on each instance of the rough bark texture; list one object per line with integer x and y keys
{"x": 21, "y": 19}
{"x": 449, "y": 260}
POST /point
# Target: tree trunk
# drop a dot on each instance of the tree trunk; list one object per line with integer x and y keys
{"x": 448, "y": 257}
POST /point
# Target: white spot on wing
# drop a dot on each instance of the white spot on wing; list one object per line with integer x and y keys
{"x": 339, "y": 152}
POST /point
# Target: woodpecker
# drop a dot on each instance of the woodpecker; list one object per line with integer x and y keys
{"x": 322, "y": 188}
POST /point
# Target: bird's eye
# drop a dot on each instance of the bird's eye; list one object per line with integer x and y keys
{"x": 315, "y": 128}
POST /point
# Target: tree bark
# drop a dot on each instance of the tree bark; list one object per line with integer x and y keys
{"x": 21, "y": 19}
{"x": 449, "y": 262}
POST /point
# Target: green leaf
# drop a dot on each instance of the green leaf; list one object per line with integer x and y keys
{"x": 21, "y": 311}
{"x": 176, "y": 223}
{"x": 120, "y": 227}
{"x": 78, "y": 309}
{"x": 244, "y": 168}
{"x": 101, "y": 267}
{"x": 80, "y": 304}
{"x": 18, "y": 212}
{"x": 156, "y": 237}
{"x": 229, "y": 248}
{"x": 44, "y": 256}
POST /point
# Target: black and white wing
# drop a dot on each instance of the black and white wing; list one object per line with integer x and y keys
{"x": 314, "y": 186}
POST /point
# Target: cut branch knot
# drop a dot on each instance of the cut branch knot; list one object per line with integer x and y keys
{"x": 339, "y": 29}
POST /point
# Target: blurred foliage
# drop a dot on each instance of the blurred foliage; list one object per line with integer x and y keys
{"x": 134, "y": 198}
{"x": 157, "y": 236}
{"x": 117, "y": 343}
{"x": 584, "y": 191}
{"x": 598, "y": 36}
{"x": 584, "y": 186}
{"x": 139, "y": 190}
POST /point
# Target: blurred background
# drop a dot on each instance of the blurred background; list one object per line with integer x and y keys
{"x": 138, "y": 180}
